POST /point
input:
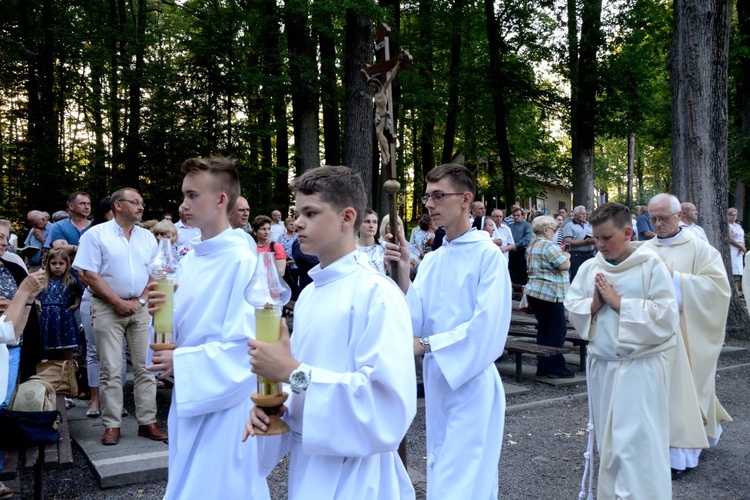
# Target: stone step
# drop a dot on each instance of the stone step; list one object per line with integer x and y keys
{"x": 134, "y": 460}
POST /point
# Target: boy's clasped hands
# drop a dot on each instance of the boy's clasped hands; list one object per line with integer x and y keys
{"x": 604, "y": 293}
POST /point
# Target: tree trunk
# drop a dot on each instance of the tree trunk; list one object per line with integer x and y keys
{"x": 498, "y": 103}
{"x": 451, "y": 116}
{"x": 303, "y": 71}
{"x": 743, "y": 18}
{"x": 573, "y": 76}
{"x": 631, "y": 168}
{"x": 328, "y": 85}
{"x": 585, "y": 115}
{"x": 358, "y": 127}
{"x": 426, "y": 71}
{"x": 133, "y": 139}
{"x": 698, "y": 64}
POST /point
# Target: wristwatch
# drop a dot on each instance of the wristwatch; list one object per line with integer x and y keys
{"x": 425, "y": 341}
{"x": 299, "y": 379}
{"x": 142, "y": 301}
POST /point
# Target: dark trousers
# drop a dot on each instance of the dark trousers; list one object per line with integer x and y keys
{"x": 551, "y": 331}
{"x": 517, "y": 267}
{"x": 576, "y": 259}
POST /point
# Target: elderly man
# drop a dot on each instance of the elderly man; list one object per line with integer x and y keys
{"x": 238, "y": 220}
{"x": 702, "y": 290}
{"x": 185, "y": 232}
{"x": 521, "y": 230}
{"x": 40, "y": 228}
{"x": 67, "y": 233}
{"x": 277, "y": 227}
{"x": 689, "y": 219}
{"x": 477, "y": 211}
{"x": 112, "y": 259}
{"x": 503, "y": 236}
{"x": 580, "y": 236}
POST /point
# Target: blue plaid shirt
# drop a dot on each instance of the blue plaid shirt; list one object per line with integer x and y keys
{"x": 546, "y": 280}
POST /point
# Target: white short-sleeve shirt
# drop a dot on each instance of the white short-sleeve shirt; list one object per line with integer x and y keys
{"x": 120, "y": 262}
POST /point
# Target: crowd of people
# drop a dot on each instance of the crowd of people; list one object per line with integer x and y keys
{"x": 634, "y": 286}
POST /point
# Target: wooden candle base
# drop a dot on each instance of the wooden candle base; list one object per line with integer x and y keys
{"x": 163, "y": 347}
{"x": 271, "y": 405}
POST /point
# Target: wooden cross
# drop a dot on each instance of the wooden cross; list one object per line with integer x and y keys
{"x": 379, "y": 77}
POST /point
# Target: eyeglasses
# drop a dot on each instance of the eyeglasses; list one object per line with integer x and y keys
{"x": 137, "y": 203}
{"x": 437, "y": 197}
{"x": 661, "y": 218}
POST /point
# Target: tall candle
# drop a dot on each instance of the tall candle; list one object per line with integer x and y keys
{"x": 268, "y": 329}
{"x": 164, "y": 319}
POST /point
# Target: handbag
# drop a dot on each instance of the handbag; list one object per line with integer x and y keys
{"x": 61, "y": 375}
{"x": 34, "y": 395}
{"x": 24, "y": 428}
{"x": 524, "y": 306}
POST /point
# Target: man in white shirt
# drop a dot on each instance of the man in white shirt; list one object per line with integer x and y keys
{"x": 238, "y": 220}
{"x": 503, "y": 236}
{"x": 689, "y": 219}
{"x": 185, "y": 232}
{"x": 277, "y": 227}
{"x": 112, "y": 259}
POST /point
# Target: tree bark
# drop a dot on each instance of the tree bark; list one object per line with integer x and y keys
{"x": 303, "y": 71}
{"x": 427, "y": 115}
{"x": 133, "y": 139}
{"x": 451, "y": 116}
{"x": 631, "y": 168}
{"x": 698, "y": 64}
{"x": 498, "y": 103}
{"x": 573, "y": 76}
{"x": 328, "y": 84}
{"x": 585, "y": 114}
{"x": 358, "y": 126}
{"x": 743, "y": 18}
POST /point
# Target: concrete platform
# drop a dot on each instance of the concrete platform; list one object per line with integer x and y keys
{"x": 729, "y": 350}
{"x": 135, "y": 459}
{"x": 508, "y": 370}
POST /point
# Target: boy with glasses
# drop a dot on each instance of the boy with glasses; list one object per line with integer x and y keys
{"x": 461, "y": 338}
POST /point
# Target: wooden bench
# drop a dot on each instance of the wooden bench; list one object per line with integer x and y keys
{"x": 41, "y": 458}
{"x": 572, "y": 337}
{"x": 519, "y": 348}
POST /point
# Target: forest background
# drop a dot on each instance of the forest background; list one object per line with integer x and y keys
{"x": 100, "y": 94}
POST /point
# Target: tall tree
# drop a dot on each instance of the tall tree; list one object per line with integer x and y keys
{"x": 585, "y": 103}
{"x": 497, "y": 85}
{"x": 698, "y": 75}
{"x": 358, "y": 129}
{"x": 451, "y": 115}
{"x": 304, "y": 78}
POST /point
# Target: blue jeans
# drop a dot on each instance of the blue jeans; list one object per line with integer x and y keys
{"x": 15, "y": 362}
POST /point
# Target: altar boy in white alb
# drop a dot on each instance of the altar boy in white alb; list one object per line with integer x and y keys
{"x": 350, "y": 363}
{"x": 460, "y": 308}
{"x": 213, "y": 322}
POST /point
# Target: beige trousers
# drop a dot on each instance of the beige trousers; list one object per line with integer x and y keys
{"x": 110, "y": 328}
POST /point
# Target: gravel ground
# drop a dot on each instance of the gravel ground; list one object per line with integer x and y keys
{"x": 543, "y": 444}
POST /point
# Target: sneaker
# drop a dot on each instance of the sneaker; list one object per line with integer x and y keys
{"x": 563, "y": 374}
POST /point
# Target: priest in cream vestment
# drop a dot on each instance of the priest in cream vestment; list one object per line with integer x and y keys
{"x": 702, "y": 291}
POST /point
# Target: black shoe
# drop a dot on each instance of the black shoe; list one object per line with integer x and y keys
{"x": 678, "y": 473}
{"x": 563, "y": 374}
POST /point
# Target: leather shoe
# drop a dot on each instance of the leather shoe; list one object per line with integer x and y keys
{"x": 111, "y": 436}
{"x": 152, "y": 431}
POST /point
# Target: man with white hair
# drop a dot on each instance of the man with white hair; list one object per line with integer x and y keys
{"x": 702, "y": 291}
{"x": 40, "y": 228}
{"x": 503, "y": 236}
{"x": 580, "y": 236}
{"x": 689, "y": 219}
{"x": 277, "y": 227}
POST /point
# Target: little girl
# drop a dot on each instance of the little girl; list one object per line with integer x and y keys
{"x": 60, "y": 296}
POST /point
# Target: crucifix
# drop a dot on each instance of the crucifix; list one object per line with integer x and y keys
{"x": 379, "y": 78}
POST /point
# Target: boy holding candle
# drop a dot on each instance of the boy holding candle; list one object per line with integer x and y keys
{"x": 460, "y": 312}
{"x": 212, "y": 324}
{"x": 349, "y": 364}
